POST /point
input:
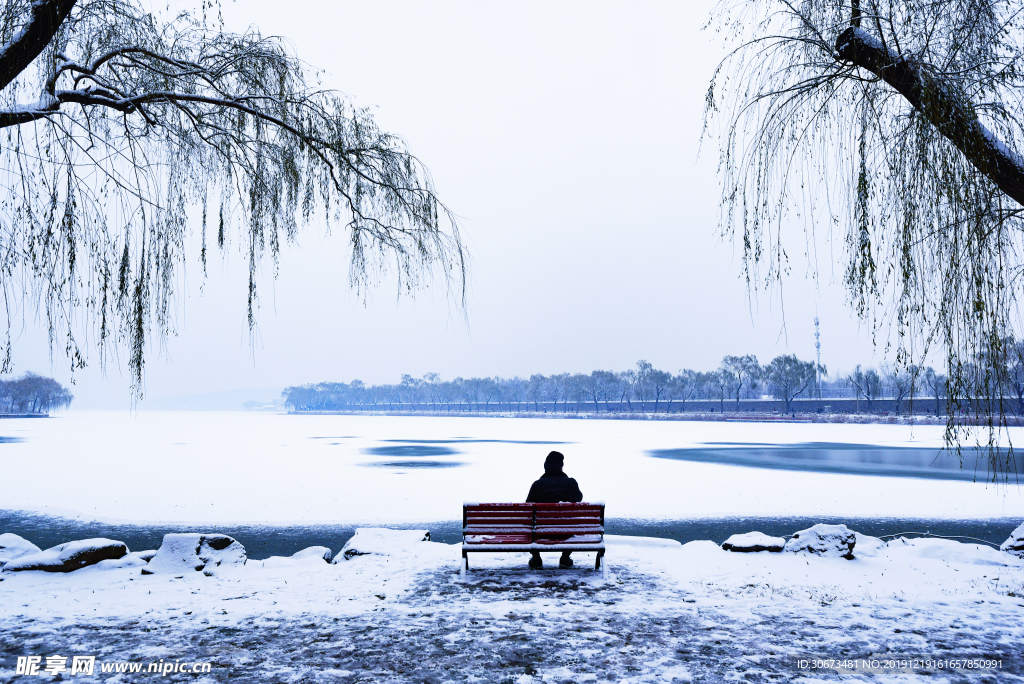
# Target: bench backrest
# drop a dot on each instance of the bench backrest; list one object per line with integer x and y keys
{"x": 539, "y": 519}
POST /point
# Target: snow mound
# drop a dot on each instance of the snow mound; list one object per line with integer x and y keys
{"x": 70, "y": 556}
{"x": 312, "y": 556}
{"x": 833, "y": 541}
{"x": 191, "y": 551}
{"x": 753, "y": 542}
{"x": 868, "y": 546}
{"x": 321, "y": 552}
{"x": 146, "y": 555}
{"x": 12, "y": 546}
{"x": 702, "y": 546}
{"x": 646, "y": 542}
{"x": 949, "y": 550}
{"x": 380, "y": 541}
{"x": 1015, "y": 544}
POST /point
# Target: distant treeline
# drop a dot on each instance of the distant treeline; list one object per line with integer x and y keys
{"x": 33, "y": 393}
{"x": 740, "y": 383}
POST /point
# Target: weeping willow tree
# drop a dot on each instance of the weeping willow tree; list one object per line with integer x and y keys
{"x": 898, "y": 125}
{"x": 126, "y": 136}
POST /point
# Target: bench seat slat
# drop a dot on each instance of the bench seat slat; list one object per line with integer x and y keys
{"x": 499, "y": 507}
{"x": 499, "y": 514}
{"x": 570, "y": 539}
{"x": 488, "y": 539}
{"x": 533, "y": 547}
{"x": 472, "y": 520}
{"x": 547, "y": 522}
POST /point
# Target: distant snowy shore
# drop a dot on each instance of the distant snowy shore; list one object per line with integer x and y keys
{"x": 666, "y": 613}
{"x": 727, "y": 416}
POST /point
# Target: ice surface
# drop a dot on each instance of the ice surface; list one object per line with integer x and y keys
{"x": 190, "y": 551}
{"x": 70, "y": 556}
{"x": 12, "y": 546}
{"x": 288, "y": 476}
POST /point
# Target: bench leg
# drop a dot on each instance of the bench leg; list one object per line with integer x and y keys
{"x": 464, "y": 565}
{"x": 597, "y": 563}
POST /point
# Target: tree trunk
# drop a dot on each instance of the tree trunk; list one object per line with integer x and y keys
{"x": 941, "y": 104}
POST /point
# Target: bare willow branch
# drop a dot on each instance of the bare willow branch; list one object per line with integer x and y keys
{"x": 120, "y": 126}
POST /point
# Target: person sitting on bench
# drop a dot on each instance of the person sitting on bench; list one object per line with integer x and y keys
{"x": 554, "y": 486}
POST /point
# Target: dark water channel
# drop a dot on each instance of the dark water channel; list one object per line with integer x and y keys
{"x": 262, "y": 541}
{"x": 973, "y": 463}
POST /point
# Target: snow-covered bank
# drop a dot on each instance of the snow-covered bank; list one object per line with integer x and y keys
{"x": 260, "y": 468}
{"x": 667, "y": 612}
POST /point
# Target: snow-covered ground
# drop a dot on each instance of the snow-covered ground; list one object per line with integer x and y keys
{"x": 220, "y": 467}
{"x": 665, "y": 613}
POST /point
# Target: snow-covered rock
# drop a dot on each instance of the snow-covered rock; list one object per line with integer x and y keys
{"x": 753, "y": 542}
{"x": 146, "y": 555}
{"x": 70, "y": 556}
{"x": 191, "y": 551}
{"x": 12, "y": 546}
{"x": 321, "y": 552}
{"x": 823, "y": 540}
{"x": 868, "y": 546}
{"x": 1015, "y": 544}
{"x": 380, "y": 541}
{"x": 128, "y": 561}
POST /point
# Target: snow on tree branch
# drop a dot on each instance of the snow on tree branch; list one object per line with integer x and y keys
{"x": 119, "y": 123}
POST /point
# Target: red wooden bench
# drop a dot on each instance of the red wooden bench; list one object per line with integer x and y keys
{"x": 517, "y": 527}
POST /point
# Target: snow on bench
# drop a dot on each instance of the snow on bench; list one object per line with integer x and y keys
{"x": 511, "y": 527}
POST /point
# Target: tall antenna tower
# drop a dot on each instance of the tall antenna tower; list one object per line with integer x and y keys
{"x": 817, "y": 347}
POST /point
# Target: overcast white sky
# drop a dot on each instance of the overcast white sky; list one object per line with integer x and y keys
{"x": 566, "y": 136}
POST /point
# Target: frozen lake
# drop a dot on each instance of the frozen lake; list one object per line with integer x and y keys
{"x": 260, "y": 468}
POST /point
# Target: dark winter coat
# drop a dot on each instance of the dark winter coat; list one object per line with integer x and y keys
{"x": 554, "y": 487}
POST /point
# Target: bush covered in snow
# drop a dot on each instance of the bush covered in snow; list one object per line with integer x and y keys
{"x": 824, "y": 540}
